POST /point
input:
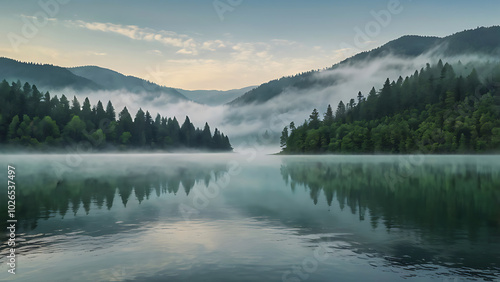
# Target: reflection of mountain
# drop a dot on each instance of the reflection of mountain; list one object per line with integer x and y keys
{"x": 43, "y": 195}
{"x": 430, "y": 196}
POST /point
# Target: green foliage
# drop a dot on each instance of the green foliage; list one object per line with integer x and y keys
{"x": 125, "y": 138}
{"x": 28, "y": 118}
{"x": 73, "y": 131}
{"x": 419, "y": 114}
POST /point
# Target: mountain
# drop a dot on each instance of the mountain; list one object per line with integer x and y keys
{"x": 86, "y": 78}
{"x": 455, "y": 113}
{"x": 44, "y": 76}
{"x": 214, "y": 97}
{"x": 112, "y": 80}
{"x": 483, "y": 40}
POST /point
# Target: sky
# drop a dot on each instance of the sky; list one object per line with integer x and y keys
{"x": 221, "y": 44}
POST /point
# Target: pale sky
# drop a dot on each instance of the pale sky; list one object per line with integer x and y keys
{"x": 221, "y": 44}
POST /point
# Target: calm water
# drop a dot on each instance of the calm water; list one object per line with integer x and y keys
{"x": 231, "y": 218}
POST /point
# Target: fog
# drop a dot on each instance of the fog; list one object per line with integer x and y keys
{"x": 248, "y": 124}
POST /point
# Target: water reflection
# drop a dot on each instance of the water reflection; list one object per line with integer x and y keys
{"x": 447, "y": 211}
{"x": 43, "y": 192}
{"x": 378, "y": 218}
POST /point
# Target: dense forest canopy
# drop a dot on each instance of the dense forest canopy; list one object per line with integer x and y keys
{"x": 30, "y": 118}
{"x": 439, "y": 109}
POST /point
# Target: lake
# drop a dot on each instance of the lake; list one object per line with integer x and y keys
{"x": 232, "y": 217}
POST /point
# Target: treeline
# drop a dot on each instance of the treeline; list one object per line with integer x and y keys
{"x": 30, "y": 118}
{"x": 439, "y": 109}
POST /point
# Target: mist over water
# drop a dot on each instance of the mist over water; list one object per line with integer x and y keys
{"x": 213, "y": 217}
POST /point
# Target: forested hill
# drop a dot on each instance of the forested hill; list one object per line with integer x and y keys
{"x": 439, "y": 109}
{"x": 481, "y": 41}
{"x": 86, "y": 78}
{"x": 32, "y": 119}
{"x": 44, "y": 75}
{"x": 112, "y": 80}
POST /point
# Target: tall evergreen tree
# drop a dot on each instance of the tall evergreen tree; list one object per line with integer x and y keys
{"x": 75, "y": 106}
{"x": 110, "y": 111}
{"x": 284, "y": 135}
{"x": 328, "y": 118}
{"x": 187, "y": 131}
{"x": 138, "y": 134}
{"x": 340, "y": 113}
{"x": 314, "y": 121}
{"x": 100, "y": 114}
{"x": 206, "y": 137}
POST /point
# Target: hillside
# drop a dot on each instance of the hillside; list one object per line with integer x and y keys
{"x": 112, "y": 80}
{"x": 86, "y": 78}
{"x": 214, "y": 97}
{"x": 484, "y": 40}
{"x": 43, "y": 75}
{"x": 441, "y": 109}
{"x": 38, "y": 121}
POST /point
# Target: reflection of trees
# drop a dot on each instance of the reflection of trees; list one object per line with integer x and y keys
{"x": 42, "y": 195}
{"x": 451, "y": 211}
{"x": 433, "y": 196}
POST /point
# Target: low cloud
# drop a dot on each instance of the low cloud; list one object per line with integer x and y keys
{"x": 167, "y": 38}
{"x": 243, "y": 123}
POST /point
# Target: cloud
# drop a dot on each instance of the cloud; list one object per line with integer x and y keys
{"x": 250, "y": 122}
{"x": 38, "y": 19}
{"x": 213, "y": 45}
{"x": 155, "y": 52}
{"x": 98, "y": 53}
{"x": 284, "y": 42}
{"x": 167, "y": 38}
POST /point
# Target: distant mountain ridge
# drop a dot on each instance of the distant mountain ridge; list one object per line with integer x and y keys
{"x": 214, "y": 97}
{"x": 113, "y": 80}
{"x": 86, "y": 78}
{"x": 44, "y": 75}
{"x": 95, "y": 78}
{"x": 483, "y": 40}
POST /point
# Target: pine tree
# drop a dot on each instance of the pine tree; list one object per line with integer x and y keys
{"x": 340, "y": 113}
{"x": 360, "y": 98}
{"x": 206, "y": 137}
{"x": 328, "y": 117}
{"x": 110, "y": 111}
{"x": 100, "y": 114}
{"x": 385, "y": 100}
{"x": 284, "y": 136}
{"x": 148, "y": 128}
{"x": 314, "y": 121}
{"x": 75, "y": 106}
{"x": 138, "y": 134}
{"x": 217, "y": 140}
{"x": 187, "y": 133}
